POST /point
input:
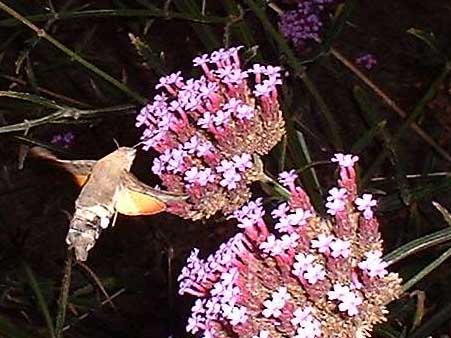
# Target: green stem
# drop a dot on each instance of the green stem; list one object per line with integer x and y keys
{"x": 40, "y": 300}
{"x": 32, "y": 123}
{"x": 333, "y": 128}
{"x": 417, "y": 245}
{"x": 428, "y": 269}
{"x": 412, "y": 117}
{"x": 299, "y": 71}
{"x": 100, "y": 13}
{"x": 43, "y": 34}
{"x": 277, "y": 187}
{"x": 390, "y": 103}
{"x": 64, "y": 296}
{"x": 61, "y": 114}
{"x": 122, "y": 107}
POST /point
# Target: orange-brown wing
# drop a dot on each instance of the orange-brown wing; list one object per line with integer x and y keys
{"x": 133, "y": 203}
{"x": 80, "y": 179}
{"x": 137, "y": 198}
{"x": 80, "y": 169}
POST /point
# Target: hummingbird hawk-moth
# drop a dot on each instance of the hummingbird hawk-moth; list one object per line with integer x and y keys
{"x": 108, "y": 188}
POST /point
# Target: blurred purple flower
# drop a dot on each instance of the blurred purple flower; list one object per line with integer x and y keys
{"x": 368, "y": 61}
{"x": 64, "y": 140}
{"x": 304, "y": 24}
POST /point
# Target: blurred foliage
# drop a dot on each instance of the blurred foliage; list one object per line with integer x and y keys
{"x": 91, "y": 67}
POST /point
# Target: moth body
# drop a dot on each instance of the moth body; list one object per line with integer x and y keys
{"x": 95, "y": 206}
{"x": 108, "y": 188}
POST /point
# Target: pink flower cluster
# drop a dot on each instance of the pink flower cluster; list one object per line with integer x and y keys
{"x": 209, "y": 131}
{"x": 311, "y": 277}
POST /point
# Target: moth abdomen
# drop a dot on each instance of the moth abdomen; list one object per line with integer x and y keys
{"x": 82, "y": 235}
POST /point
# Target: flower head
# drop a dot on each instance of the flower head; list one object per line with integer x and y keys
{"x": 273, "y": 306}
{"x": 365, "y": 204}
{"x": 210, "y": 132}
{"x": 287, "y": 178}
{"x": 305, "y": 23}
{"x": 348, "y": 300}
{"x": 262, "y": 334}
{"x": 345, "y": 160}
{"x": 373, "y": 265}
{"x": 64, "y": 140}
{"x": 318, "y": 278}
{"x": 367, "y": 61}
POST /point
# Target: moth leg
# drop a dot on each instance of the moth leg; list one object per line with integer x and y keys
{"x": 113, "y": 222}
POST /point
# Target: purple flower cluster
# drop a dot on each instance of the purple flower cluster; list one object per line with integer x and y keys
{"x": 368, "y": 61}
{"x": 64, "y": 140}
{"x": 304, "y": 23}
{"x": 312, "y": 278}
{"x": 209, "y": 131}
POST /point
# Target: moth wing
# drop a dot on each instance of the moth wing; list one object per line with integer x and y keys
{"x": 132, "y": 203}
{"x": 80, "y": 179}
{"x": 80, "y": 169}
{"x": 137, "y": 198}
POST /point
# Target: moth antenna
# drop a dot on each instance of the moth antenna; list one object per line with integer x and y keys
{"x": 116, "y": 143}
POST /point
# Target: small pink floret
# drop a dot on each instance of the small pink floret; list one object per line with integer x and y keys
{"x": 345, "y": 160}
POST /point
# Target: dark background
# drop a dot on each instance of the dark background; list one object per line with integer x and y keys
{"x": 138, "y": 260}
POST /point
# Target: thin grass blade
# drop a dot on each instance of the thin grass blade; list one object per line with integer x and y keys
{"x": 41, "y": 302}
{"x": 417, "y": 245}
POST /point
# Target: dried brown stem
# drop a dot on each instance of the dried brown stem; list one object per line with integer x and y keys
{"x": 98, "y": 283}
{"x": 390, "y": 102}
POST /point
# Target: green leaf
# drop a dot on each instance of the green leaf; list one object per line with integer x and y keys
{"x": 427, "y": 270}
{"x": 151, "y": 60}
{"x": 105, "y": 13}
{"x": 308, "y": 158}
{"x": 445, "y": 213}
{"x": 11, "y": 330}
{"x": 241, "y": 27}
{"x": 74, "y": 56}
{"x": 338, "y": 24}
{"x": 299, "y": 70}
{"x": 424, "y": 192}
{"x": 426, "y": 37}
{"x": 42, "y": 101}
{"x": 64, "y": 296}
{"x": 65, "y": 114}
{"x": 368, "y": 137}
{"x": 42, "y": 304}
{"x": 390, "y": 146}
{"x": 416, "y": 113}
{"x": 300, "y": 156}
{"x": 204, "y": 32}
{"x": 417, "y": 245}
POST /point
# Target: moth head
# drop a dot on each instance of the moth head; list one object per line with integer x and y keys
{"x": 125, "y": 155}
